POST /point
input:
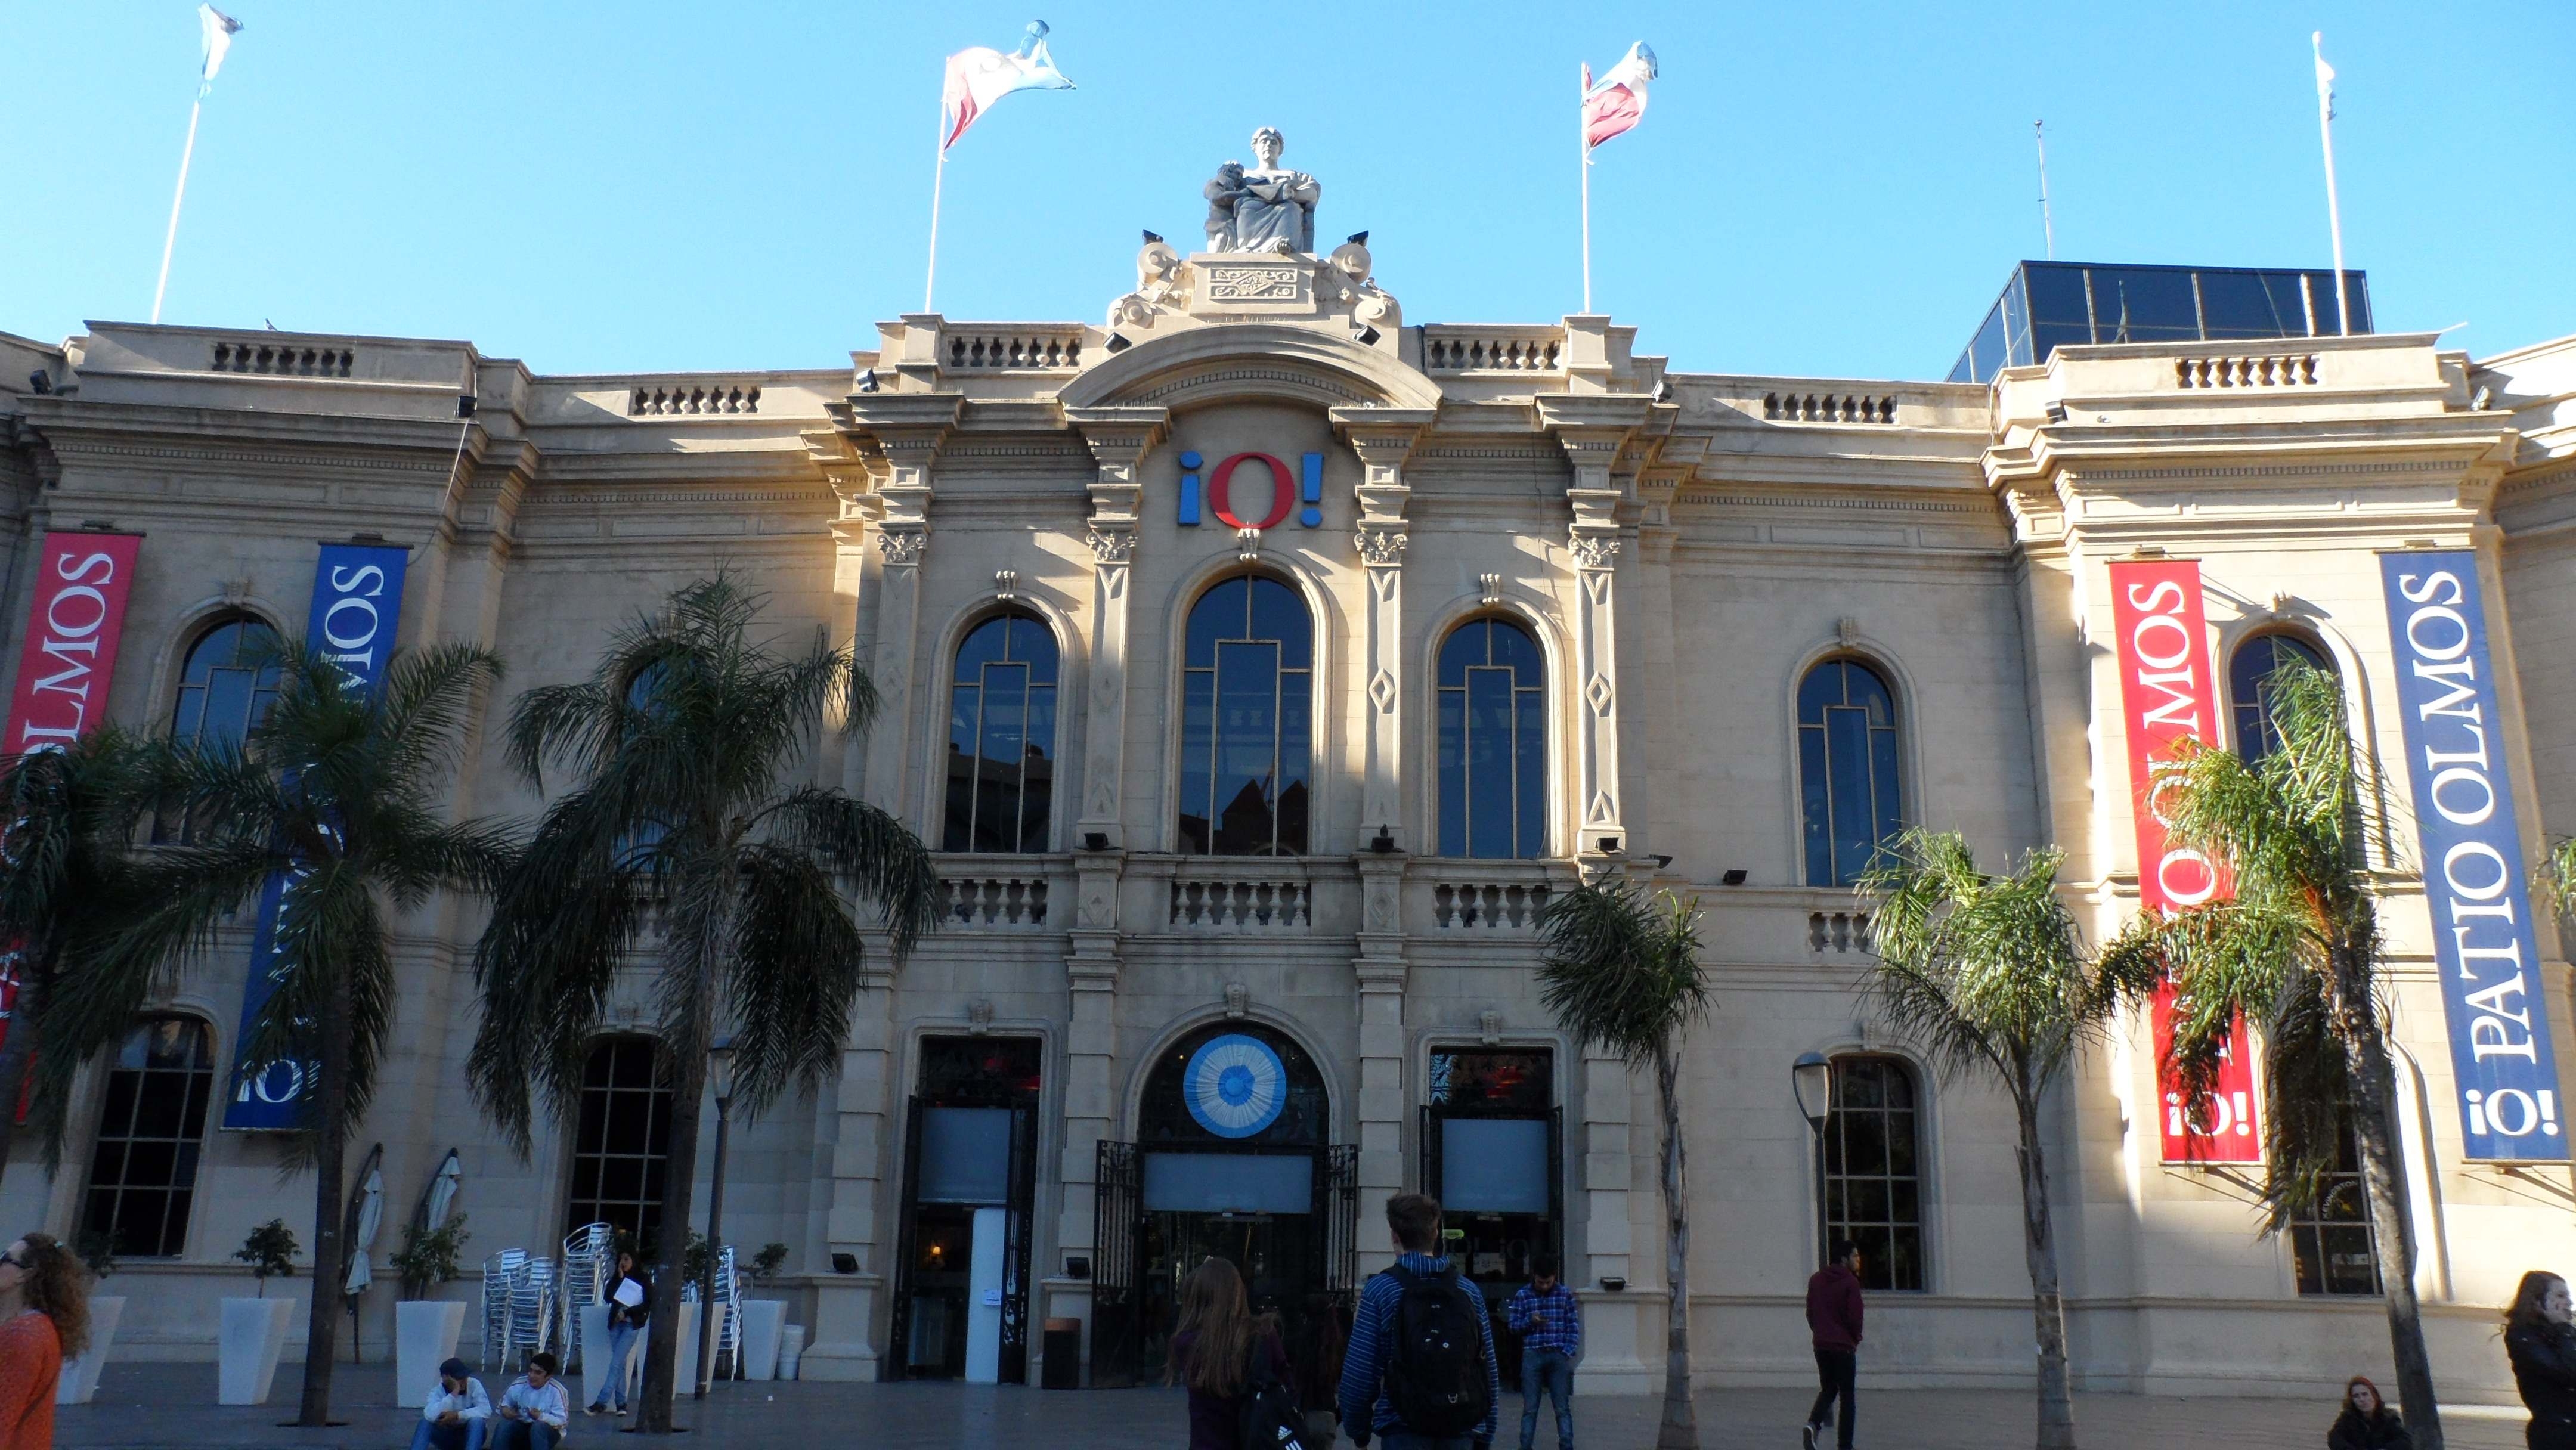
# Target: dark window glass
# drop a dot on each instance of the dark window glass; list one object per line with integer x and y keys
{"x": 2056, "y": 296}
{"x": 2333, "y": 1247}
{"x": 1493, "y": 742}
{"x": 2016, "y": 309}
{"x": 979, "y": 1072}
{"x": 1848, "y": 784}
{"x": 225, "y": 687}
{"x": 1505, "y": 1082}
{"x": 2145, "y": 305}
{"x": 1001, "y": 737}
{"x": 2249, "y": 675}
{"x": 2243, "y": 304}
{"x": 1247, "y": 721}
{"x": 1873, "y": 1182}
{"x": 1985, "y": 352}
{"x": 622, "y": 1143}
{"x": 143, "y": 1171}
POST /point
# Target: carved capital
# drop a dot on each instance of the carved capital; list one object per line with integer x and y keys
{"x": 902, "y": 548}
{"x": 1592, "y": 551}
{"x": 1112, "y": 546}
{"x": 1380, "y": 548}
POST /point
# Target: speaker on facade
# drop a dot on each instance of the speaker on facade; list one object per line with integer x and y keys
{"x": 845, "y": 1263}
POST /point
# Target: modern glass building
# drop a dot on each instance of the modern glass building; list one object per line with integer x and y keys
{"x": 2048, "y": 303}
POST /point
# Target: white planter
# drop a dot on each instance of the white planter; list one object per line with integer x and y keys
{"x": 79, "y": 1382}
{"x": 594, "y": 1355}
{"x": 762, "y": 1319}
{"x": 791, "y": 1350}
{"x": 253, "y": 1336}
{"x": 686, "y": 1362}
{"x": 425, "y": 1333}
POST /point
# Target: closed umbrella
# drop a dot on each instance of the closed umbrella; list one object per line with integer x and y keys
{"x": 440, "y": 1195}
{"x": 366, "y": 1216}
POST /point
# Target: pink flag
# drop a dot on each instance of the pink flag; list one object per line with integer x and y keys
{"x": 1617, "y": 101}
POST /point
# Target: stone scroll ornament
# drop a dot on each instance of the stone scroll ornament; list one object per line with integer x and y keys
{"x": 2167, "y": 691}
{"x": 357, "y": 605}
{"x": 2470, "y": 849}
{"x": 1235, "y": 1085}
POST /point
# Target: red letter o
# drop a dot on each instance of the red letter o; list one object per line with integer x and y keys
{"x": 1283, "y": 493}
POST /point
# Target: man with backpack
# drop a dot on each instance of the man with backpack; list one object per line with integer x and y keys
{"x": 1419, "y": 1373}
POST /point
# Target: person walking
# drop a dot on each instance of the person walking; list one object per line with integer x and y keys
{"x": 533, "y": 1409}
{"x": 1419, "y": 1373}
{"x": 457, "y": 1414}
{"x": 2541, "y": 1343}
{"x": 629, "y": 1297}
{"x": 2366, "y": 1422}
{"x": 1223, "y": 1352}
{"x": 1833, "y": 1318}
{"x": 44, "y": 1320}
{"x": 1549, "y": 1320}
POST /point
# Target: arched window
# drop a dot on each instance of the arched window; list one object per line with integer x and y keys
{"x": 1873, "y": 1170}
{"x": 1001, "y": 730}
{"x": 1847, "y": 776}
{"x": 1493, "y": 742}
{"x": 143, "y": 1170}
{"x": 225, "y": 687}
{"x": 621, "y": 1140}
{"x": 1247, "y": 720}
{"x": 2249, "y": 674}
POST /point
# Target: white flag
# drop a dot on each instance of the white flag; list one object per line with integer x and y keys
{"x": 218, "y": 28}
{"x": 980, "y": 75}
{"x": 2325, "y": 75}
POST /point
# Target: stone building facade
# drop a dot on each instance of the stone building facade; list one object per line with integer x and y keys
{"x": 1289, "y": 749}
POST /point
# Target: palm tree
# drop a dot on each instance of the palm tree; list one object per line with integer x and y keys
{"x": 66, "y": 818}
{"x": 340, "y": 788}
{"x": 2297, "y": 950}
{"x": 1987, "y": 975}
{"x": 1621, "y": 972}
{"x": 686, "y": 818}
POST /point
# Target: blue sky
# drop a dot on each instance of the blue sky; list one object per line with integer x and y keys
{"x": 1823, "y": 190}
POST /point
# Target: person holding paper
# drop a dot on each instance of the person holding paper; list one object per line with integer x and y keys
{"x": 629, "y": 1297}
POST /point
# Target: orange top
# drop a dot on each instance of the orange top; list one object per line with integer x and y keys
{"x": 31, "y": 1359}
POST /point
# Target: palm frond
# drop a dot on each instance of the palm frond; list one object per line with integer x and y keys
{"x": 796, "y": 970}
{"x": 1621, "y": 971}
{"x": 880, "y": 853}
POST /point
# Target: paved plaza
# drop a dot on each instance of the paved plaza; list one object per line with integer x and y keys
{"x": 152, "y": 1406}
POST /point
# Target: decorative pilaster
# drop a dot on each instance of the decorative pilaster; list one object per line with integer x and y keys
{"x": 1119, "y": 439}
{"x": 900, "y": 435}
{"x": 1383, "y": 438}
{"x": 1380, "y": 972}
{"x": 1593, "y": 542}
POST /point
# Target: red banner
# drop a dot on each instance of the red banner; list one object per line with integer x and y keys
{"x": 2170, "y": 697}
{"x": 73, "y": 627}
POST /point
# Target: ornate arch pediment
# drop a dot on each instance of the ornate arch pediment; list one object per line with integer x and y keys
{"x": 1230, "y": 362}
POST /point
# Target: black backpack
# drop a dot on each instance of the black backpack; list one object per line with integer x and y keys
{"x": 1268, "y": 1416}
{"x": 1436, "y": 1379}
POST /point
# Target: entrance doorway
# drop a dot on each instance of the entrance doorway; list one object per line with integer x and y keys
{"x": 1493, "y": 1154}
{"x": 1231, "y": 1162}
{"x": 962, "y": 1254}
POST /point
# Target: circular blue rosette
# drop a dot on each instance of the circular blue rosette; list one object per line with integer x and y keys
{"x": 1235, "y": 1085}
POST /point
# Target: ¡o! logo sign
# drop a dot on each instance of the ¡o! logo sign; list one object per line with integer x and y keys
{"x": 1232, "y": 492}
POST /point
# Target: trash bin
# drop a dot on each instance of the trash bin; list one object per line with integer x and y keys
{"x": 1063, "y": 1351}
{"x": 791, "y": 1349}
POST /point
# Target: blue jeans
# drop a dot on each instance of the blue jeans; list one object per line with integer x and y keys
{"x": 524, "y": 1434}
{"x": 1407, "y": 1440}
{"x": 1550, "y": 1373}
{"x": 463, "y": 1435}
{"x": 612, "y": 1374}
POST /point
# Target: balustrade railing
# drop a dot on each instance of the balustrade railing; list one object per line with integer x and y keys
{"x": 998, "y": 902}
{"x": 686, "y": 398}
{"x": 2273, "y": 370}
{"x": 1837, "y": 931}
{"x": 1239, "y": 904}
{"x": 1014, "y": 349}
{"x": 1451, "y": 349}
{"x": 275, "y": 360}
{"x": 1487, "y": 905}
{"x": 1828, "y": 408}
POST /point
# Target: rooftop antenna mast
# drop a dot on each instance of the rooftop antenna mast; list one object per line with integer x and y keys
{"x": 2047, "y": 224}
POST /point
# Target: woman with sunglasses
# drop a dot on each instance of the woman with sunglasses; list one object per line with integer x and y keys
{"x": 44, "y": 1320}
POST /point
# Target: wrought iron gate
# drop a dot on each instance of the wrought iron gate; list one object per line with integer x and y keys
{"x": 1117, "y": 1266}
{"x": 896, "y": 1362}
{"x": 1338, "y": 1199}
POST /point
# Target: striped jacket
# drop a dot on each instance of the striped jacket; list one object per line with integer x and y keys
{"x": 1365, "y": 1363}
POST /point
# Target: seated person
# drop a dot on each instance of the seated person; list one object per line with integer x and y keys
{"x": 533, "y": 1409}
{"x": 456, "y": 1414}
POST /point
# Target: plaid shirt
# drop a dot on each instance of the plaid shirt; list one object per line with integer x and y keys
{"x": 1550, "y": 1321}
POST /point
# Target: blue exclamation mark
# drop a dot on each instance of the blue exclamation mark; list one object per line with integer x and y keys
{"x": 1312, "y": 491}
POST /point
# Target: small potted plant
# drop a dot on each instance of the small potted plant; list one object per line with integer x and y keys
{"x": 425, "y": 1329}
{"x": 763, "y": 1319}
{"x": 254, "y": 1330}
{"x": 79, "y": 1381}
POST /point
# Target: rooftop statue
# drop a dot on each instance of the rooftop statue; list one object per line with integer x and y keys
{"x": 1265, "y": 208}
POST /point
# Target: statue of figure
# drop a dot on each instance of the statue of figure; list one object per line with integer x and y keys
{"x": 1266, "y": 208}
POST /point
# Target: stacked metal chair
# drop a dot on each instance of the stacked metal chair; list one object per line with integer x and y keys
{"x": 500, "y": 1271}
{"x": 729, "y": 1296}
{"x": 589, "y": 1259}
{"x": 522, "y": 1307}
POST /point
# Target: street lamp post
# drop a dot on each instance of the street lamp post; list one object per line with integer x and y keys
{"x": 720, "y": 1076}
{"x": 1811, "y": 1078}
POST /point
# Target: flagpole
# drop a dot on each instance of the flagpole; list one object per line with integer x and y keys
{"x": 1583, "y": 158}
{"x": 2334, "y": 211}
{"x": 2047, "y": 223}
{"x": 937, "y": 176}
{"x": 171, "y": 238}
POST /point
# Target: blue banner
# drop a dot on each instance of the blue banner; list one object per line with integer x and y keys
{"x": 357, "y": 605}
{"x": 2475, "y": 881}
